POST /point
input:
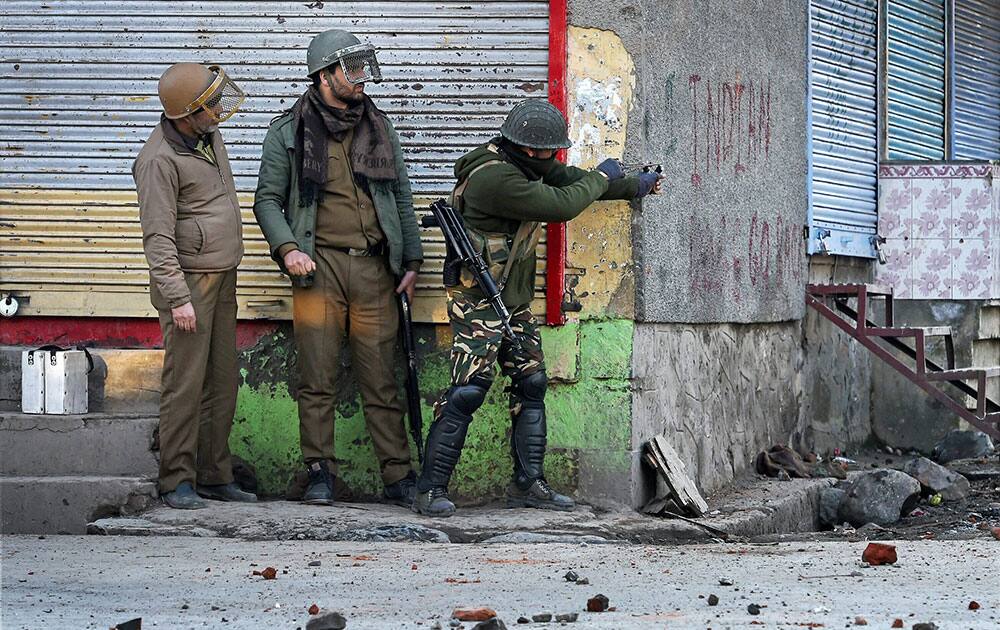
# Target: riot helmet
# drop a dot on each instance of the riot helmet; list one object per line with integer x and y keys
{"x": 536, "y": 124}
{"x": 187, "y": 87}
{"x": 357, "y": 60}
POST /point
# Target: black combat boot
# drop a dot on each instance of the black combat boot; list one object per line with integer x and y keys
{"x": 444, "y": 446}
{"x": 527, "y": 446}
{"x": 226, "y": 492}
{"x": 403, "y": 491}
{"x": 320, "y": 489}
{"x": 434, "y": 502}
{"x": 538, "y": 495}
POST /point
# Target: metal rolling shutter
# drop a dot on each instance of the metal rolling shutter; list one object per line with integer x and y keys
{"x": 977, "y": 80}
{"x": 916, "y": 79}
{"x": 843, "y": 126}
{"x": 78, "y": 98}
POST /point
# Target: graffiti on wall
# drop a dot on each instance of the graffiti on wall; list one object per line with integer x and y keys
{"x": 771, "y": 259}
{"x": 731, "y": 125}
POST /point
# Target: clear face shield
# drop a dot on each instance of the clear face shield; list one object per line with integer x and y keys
{"x": 221, "y": 99}
{"x": 359, "y": 64}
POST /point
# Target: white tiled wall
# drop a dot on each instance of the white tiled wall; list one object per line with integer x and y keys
{"x": 942, "y": 230}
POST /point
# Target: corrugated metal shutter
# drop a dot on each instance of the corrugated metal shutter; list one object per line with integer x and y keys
{"x": 977, "y": 80}
{"x": 78, "y": 98}
{"x": 843, "y": 156}
{"x": 916, "y": 79}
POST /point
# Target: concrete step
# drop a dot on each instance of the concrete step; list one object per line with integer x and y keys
{"x": 91, "y": 444}
{"x": 125, "y": 381}
{"x": 65, "y": 504}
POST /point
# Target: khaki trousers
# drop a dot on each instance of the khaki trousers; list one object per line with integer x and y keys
{"x": 352, "y": 296}
{"x": 199, "y": 384}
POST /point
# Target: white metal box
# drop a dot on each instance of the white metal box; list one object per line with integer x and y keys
{"x": 54, "y": 381}
{"x": 66, "y": 382}
{"x": 33, "y": 380}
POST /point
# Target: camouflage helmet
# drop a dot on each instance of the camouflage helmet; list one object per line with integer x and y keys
{"x": 537, "y": 124}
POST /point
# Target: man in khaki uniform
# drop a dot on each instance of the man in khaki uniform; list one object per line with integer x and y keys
{"x": 334, "y": 202}
{"x": 192, "y": 238}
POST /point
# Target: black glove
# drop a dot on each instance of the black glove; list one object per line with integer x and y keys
{"x": 646, "y": 183}
{"x": 612, "y": 168}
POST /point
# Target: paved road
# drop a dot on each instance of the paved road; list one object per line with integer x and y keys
{"x": 184, "y": 582}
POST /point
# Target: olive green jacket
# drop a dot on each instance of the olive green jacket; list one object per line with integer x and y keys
{"x": 499, "y": 197}
{"x": 283, "y": 221}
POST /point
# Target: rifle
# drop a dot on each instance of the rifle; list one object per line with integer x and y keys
{"x": 460, "y": 251}
{"x": 412, "y": 388}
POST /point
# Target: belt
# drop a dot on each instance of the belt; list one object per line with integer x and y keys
{"x": 378, "y": 249}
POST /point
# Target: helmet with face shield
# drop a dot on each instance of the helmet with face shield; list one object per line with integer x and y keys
{"x": 186, "y": 88}
{"x": 357, "y": 60}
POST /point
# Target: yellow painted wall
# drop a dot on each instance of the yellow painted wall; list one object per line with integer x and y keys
{"x": 601, "y": 82}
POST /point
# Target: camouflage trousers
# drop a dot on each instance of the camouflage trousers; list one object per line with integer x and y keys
{"x": 479, "y": 343}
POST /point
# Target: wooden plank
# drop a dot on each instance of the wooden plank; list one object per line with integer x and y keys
{"x": 673, "y": 473}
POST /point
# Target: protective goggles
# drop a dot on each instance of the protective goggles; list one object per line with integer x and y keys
{"x": 358, "y": 63}
{"x": 221, "y": 99}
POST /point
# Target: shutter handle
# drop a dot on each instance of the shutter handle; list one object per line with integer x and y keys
{"x": 821, "y": 240}
{"x": 877, "y": 242}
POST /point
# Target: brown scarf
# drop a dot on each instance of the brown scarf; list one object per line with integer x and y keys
{"x": 371, "y": 151}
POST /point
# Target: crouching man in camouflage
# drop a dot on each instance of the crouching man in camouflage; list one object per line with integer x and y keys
{"x": 506, "y": 188}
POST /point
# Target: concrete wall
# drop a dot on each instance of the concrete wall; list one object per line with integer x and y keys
{"x": 719, "y": 263}
{"x": 902, "y": 414}
{"x": 836, "y": 371}
{"x": 721, "y": 103}
{"x": 719, "y": 393}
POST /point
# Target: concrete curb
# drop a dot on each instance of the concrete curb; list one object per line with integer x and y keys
{"x": 756, "y": 507}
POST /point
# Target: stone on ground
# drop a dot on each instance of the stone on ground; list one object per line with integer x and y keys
{"x": 936, "y": 479}
{"x": 962, "y": 444}
{"x": 880, "y": 497}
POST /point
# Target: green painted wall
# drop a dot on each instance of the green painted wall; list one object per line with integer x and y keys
{"x": 588, "y": 407}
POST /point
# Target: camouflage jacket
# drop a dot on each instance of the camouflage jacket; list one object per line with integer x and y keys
{"x": 500, "y": 196}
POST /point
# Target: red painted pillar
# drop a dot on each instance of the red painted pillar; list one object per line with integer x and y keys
{"x": 555, "y": 274}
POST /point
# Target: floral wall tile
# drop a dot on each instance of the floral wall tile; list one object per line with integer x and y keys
{"x": 949, "y": 245}
{"x": 932, "y": 259}
{"x": 895, "y": 211}
{"x": 898, "y": 269}
{"x": 932, "y": 214}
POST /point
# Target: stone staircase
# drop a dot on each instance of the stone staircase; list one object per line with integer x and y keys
{"x": 58, "y": 473}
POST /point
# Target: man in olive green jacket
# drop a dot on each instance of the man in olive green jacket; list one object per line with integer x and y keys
{"x": 333, "y": 200}
{"x": 193, "y": 240}
{"x": 506, "y": 188}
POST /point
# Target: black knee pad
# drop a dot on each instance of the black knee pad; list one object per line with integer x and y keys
{"x": 468, "y": 398}
{"x": 531, "y": 388}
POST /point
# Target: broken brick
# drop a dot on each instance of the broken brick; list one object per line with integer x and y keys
{"x": 314, "y": 610}
{"x": 270, "y": 573}
{"x": 879, "y": 553}
{"x": 473, "y": 614}
{"x": 897, "y": 623}
{"x": 996, "y": 532}
{"x": 860, "y": 621}
{"x": 974, "y": 605}
{"x": 597, "y": 603}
